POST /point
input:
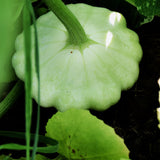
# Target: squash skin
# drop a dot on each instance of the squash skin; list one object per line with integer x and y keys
{"x": 91, "y": 75}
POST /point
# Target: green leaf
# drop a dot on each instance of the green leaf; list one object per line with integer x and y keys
{"x": 36, "y": 53}
{"x": 60, "y": 157}
{"x": 131, "y": 2}
{"x": 147, "y": 8}
{"x": 38, "y": 157}
{"x": 17, "y": 7}
{"x": 5, "y": 157}
{"x": 10, "y": 18}
{"x": 82, "y": 136}
{"x": 28, "y": 12}
{"x": 34, "y": 1}
{"x": 21, "y": 135}
{"x": 13, "y": 146}
{"x": 147, "y": 20}
{"x": 28, "y": 74}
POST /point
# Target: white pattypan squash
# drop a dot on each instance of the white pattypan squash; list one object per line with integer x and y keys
{"x": 91, "y": 75}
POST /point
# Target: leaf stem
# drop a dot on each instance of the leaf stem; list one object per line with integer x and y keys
{"x": 77, "y": 35}
{"x": 11, "y": 98}
{"x": 28, "y": 74}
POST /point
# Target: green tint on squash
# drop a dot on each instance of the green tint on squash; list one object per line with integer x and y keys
{"x": 89, "y": 75}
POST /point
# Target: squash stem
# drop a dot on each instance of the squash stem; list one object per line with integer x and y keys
{"x": 77, "y": 35}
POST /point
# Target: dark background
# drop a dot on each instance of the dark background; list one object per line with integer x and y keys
{"x": 134, "y": 117}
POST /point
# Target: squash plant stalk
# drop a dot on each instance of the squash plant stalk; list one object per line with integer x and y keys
{"x": 10, "y": 99}
{"x": 77, "y": 35}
